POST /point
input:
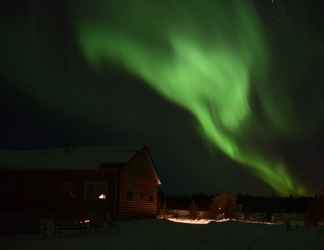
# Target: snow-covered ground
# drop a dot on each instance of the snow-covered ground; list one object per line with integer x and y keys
{"x": 166, "y": 235}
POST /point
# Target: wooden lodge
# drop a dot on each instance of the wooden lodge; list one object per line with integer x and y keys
{"x": 80, "y": 183}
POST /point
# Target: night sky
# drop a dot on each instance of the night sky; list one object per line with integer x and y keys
{"x": 75, "y": 73}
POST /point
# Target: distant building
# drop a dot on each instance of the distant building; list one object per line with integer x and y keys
{"x": 80, "y": 183}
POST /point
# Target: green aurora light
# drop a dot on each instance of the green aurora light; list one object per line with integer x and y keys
{"x": 202, "y": 55}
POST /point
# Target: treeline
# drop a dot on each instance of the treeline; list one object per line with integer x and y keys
{"x": 274, "y": 204}
{"x": 247, "y": 203}
{"x": 202, "y": 201}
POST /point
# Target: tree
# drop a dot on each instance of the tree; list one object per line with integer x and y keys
{"x": 222, "y": 206}
{"x": 315, "y": 212}
{"x": 164, "y": 209}
{"x": 193, "y": 210}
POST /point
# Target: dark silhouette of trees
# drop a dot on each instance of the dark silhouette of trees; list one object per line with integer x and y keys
{"x": 222, "y": 206}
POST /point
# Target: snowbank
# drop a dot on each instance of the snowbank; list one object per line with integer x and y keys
{"x": 165, "y": 235}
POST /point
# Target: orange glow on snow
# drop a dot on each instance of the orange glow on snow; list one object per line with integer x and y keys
{"x": 189, "y": 221}
{"x": 207, "y": 221}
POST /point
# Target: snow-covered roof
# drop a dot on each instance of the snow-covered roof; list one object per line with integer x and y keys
{"x": 65, "y": 158}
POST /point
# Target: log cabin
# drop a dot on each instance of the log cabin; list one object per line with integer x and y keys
{"x": 79, "y": 183}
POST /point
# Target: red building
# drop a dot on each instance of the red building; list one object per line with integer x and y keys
{"x": 80, "y": 183}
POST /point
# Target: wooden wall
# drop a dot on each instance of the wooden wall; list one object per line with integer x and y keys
{"x": 133, "y": 189}
{"x": 139, "y": 189}
{"x": 60, "y": 193}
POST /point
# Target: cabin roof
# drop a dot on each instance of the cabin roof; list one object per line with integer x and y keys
{"x": 66, "y": 158}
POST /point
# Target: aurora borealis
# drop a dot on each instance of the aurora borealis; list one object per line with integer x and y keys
{"x": 201, "y": 56}
{"x": 228, "y": 94}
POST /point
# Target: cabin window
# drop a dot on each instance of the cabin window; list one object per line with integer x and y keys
{"x": 130, "y": 196}
{"x": 95, "y": 189}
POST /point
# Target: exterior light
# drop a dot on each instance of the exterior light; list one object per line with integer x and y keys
{"x": 84, "y": 221}
{"x": 102, "y": 197}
